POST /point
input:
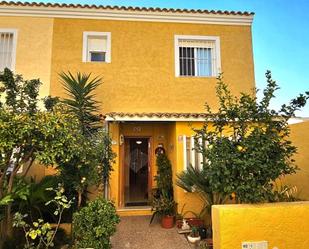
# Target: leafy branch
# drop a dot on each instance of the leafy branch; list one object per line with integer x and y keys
{"x": 40, "y": 234}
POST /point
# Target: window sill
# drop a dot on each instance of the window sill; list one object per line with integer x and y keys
{"x": 197, "y": 77}
{"x": 97, "y": 62}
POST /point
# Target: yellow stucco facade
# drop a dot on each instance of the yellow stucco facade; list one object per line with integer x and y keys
{"x": 191, "y": 201}
{"x": 281, "y": 225}
{"x": 34, "y": 47}
{"x": 300, "y": 139}
{"x": 140, "y": 77}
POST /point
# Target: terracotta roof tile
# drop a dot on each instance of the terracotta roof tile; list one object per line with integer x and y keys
{"x": 130, "y": 8}
{"x": 156, "y": 115}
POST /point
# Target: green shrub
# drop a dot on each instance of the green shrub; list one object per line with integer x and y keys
{"x": 94, "y": 224}
{"x": 164, "y": 177}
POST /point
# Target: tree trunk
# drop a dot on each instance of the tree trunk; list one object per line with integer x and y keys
{"x": 2, "y": 177}
{"x": 2, "y": 234}
{"x": 6, "y": 224}
{"x": 25, "y": 173}
{"x": 79, "y": 199}
{"x": 3, "y": 222}
{"x": 8, "y": 209}
{"x": 9, "y": 221}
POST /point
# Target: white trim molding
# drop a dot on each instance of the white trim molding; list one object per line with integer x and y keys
{"x": 215, "y": 39}
{"x": 126, "y": 15}
{"x": 14, "y": 47}
{"x": 106, "y": 35}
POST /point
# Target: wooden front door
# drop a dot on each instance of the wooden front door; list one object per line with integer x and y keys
{"x": 136, "y": 171}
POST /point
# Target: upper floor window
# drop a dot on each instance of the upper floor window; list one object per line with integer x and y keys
{"x": 197, "y": 56}
{"x": 8, "y": 38}
{"x": 97, "y": 47}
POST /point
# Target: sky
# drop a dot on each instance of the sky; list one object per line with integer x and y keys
{"x": 280, "y": 38}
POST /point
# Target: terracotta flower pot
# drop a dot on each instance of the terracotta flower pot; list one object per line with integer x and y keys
{"x": 167, "y": 221}
{"x": 195, "y": 222}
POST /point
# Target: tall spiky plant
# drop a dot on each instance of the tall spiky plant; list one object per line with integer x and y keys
{"x": 81, "y": 98}
{"x": 96, "y": 156}
{"x": 196, "y": 181}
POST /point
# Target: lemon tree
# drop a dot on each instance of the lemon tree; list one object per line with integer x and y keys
{"x": 246, "y": 145}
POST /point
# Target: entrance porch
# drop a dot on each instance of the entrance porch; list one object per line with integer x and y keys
{"x": 135, "y": 140}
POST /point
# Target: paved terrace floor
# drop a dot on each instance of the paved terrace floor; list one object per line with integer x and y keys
{"x": 135, "y": 233}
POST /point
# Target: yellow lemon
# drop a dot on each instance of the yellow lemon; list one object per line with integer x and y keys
{"x": 239, "y": 148}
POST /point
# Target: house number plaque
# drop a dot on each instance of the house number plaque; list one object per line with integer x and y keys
{"x": 137, "y": 129}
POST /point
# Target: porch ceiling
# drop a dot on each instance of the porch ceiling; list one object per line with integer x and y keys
{"x": 155, "y": 116}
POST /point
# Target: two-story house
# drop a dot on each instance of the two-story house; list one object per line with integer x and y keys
{"x": 159, "y": 67}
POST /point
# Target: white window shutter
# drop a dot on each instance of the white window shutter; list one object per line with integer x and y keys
{"x": 184, "y": 144}
{"x": 97, "y": 44}
{"x": 200, "y": 155}
{"x": 192, "y": 152}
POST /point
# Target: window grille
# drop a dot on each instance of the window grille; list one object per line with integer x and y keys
{"x": 6, "y": 50}
{"x": 197, "y": 58}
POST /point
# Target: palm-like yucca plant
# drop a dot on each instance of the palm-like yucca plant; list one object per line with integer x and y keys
{"x": 196, "y": 181}
{"x": 80, "y": 90}
{"x": 96, "y": 156}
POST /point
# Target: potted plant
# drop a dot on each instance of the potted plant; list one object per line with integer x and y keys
{"x": 163, "y": 203}
{"x": 192, "y": 218}
{"x": 168, "y": 212}
{"x": 164, "y": 206}
{"x": 194, "y": 236}
{"x": 196, "y": 220}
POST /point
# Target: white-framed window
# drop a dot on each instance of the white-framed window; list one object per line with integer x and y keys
{"x": 8, "y": 41}
{"x": 190, "y": 155}
{"x": 197, "y": 56}
{"x": 97, "y": 47}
